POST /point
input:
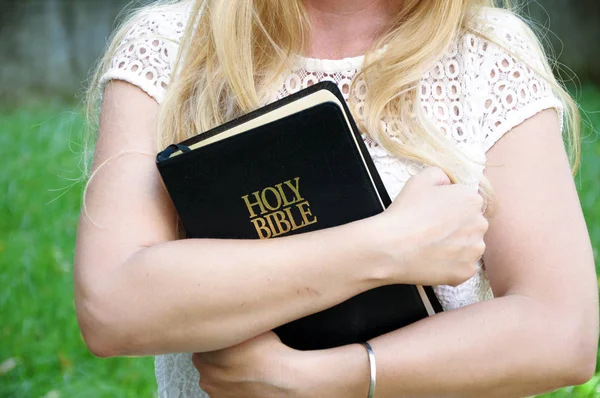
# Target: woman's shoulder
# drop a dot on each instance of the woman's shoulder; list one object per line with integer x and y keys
{"x": 507, "y": 32}
{"x": 498, "y": 69}
{"x": 493, "y": 34}
{"x": 145, "y": 49}
{"x": 491, "y": 40}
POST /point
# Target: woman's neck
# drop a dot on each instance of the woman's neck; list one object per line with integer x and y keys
{"x": 346, "y": 28}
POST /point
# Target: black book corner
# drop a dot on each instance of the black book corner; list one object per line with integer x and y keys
{"x": 294, "y": 166}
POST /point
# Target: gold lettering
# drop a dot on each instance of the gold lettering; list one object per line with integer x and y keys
{"x": 286, "y": 202}
{"x": 261, "y": 228}
{"x": 290, "y": 216}
{"x": 278, "y": 222}
{"x": 257, "y": 203}
{"x": 266, "y": 202}
{"x": 295, "y": 188}
{"x": 306, "y": 212}
{"x": 269, "y": 219}
{"x": 282, "y": 209}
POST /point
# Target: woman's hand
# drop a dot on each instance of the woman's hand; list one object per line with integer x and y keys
{"x": 260, "y": 367}
{"x": 263, "y": 367}
{"x": 433, "y": 230}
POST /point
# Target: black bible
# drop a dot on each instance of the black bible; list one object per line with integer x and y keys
{"x": 294, "y": 166}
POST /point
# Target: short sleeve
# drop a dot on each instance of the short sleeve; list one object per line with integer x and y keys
{"x": 146, "y": 55}
{"x": 511, "y": 89}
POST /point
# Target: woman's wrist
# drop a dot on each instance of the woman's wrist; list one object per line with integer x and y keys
{"x": 337, "y": 372}
{"x": 386, "y": 245}
{"x": 357, "y": 246}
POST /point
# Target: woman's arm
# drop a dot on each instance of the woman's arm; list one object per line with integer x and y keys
{"x": 139, "y": 291}
{"x": 541, "y": 332}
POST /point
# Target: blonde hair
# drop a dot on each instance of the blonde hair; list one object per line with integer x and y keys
{"x": 234, "y": 51}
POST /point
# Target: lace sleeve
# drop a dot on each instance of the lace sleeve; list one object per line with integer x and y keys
{"x": 512, "y": 90}
{"x": 146, "y": 54}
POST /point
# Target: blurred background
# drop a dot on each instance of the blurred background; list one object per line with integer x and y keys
{"x": 47, "y": 48}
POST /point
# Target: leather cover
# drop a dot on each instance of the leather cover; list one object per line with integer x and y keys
{"x": 297, "y": 174}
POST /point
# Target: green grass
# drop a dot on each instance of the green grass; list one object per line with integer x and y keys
{"x": 41, "y": 350}
{"x": 587, "y": 181}
{"x": 39, "y": 204}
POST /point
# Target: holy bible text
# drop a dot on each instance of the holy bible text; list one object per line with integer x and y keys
{"x": 279, "y": 209}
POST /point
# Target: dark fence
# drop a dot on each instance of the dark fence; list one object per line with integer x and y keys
{"x": 48, "y": 46}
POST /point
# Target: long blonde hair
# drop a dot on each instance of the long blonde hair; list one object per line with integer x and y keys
{"x": 234, "y": 51}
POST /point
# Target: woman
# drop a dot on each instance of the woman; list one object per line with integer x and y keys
{"x": 453, "y": 84}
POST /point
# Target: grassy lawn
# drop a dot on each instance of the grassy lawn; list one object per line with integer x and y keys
{"x": 41, "y": 351}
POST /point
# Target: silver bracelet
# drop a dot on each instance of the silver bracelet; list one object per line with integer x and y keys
{"x": 373, "y": 368}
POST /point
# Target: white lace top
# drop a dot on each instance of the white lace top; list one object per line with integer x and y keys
{"x": 475, "y": 93}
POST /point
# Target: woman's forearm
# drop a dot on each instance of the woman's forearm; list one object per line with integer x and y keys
{"x": 201, "y": 295}
{"x": 507, "y": 347}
